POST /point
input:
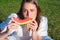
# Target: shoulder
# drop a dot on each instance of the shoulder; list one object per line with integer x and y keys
{"x": 44, "y": 19}
{"x": 43, "y": 22}
{"x": 43, "y": 27}
{"x": 12, "y": 15}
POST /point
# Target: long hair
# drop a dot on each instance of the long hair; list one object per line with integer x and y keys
{"x": 20, "y": 13}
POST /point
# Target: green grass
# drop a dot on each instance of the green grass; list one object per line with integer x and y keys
{"x": 7, "y": 7}
{"x": 50, "y": 9}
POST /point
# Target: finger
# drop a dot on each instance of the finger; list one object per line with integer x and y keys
{"x": 31, "y": 28}
{"x": 13, "y": 26}
{"x": 10, "y": 22}
{"x": 28, "y": 26}
{"x": 32, "y": 24}
{"x": 34, "y": 21}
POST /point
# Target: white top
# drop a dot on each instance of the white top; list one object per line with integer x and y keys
{"x": 23, "y": 34}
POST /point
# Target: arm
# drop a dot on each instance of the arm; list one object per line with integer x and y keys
{"x": 4, "y": 35}
{"x": 42, "y": 30}
{"x": 11, "y": 28}
{"x": 3, "y": 27}
{"x": 35, "y": 37}
{"x": 33, "y": 27}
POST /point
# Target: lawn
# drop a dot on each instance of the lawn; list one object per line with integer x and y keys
{"x": 50, "y": 9}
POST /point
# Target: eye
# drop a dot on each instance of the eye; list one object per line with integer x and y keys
{"x": 31, "y": 10}
{"x": 24, "y": 10}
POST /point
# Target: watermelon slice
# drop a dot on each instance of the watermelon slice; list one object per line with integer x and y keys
{"x": 22, "y": 21}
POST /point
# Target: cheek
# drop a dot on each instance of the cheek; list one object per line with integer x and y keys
{"x": 24, "y": 14}
{"x": 32, "y": 15}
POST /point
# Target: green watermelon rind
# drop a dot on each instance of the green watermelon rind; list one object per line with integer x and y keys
{"x": 22, "y": 24}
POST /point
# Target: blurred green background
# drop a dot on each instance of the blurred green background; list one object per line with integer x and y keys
{"x": 50, "y": 9}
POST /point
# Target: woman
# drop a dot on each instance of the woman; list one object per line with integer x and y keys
{"x": 36, "y": 30}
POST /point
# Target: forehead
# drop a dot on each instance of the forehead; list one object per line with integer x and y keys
{"x": 29, "y": 5}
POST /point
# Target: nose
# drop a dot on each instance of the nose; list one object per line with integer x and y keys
{"x": 27, "y": 14}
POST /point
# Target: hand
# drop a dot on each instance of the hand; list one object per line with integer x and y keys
{"x": 12, "y": 26}
{"x": 33, "y": 25}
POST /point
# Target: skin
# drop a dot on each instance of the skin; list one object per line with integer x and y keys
{"x": 29, "y": 10}
{"x": 11, "y": 26}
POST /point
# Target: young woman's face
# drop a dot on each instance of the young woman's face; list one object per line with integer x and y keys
{"x": 29, "y": 10}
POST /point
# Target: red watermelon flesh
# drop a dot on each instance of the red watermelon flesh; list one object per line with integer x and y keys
{"x": 22, "y": 21}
